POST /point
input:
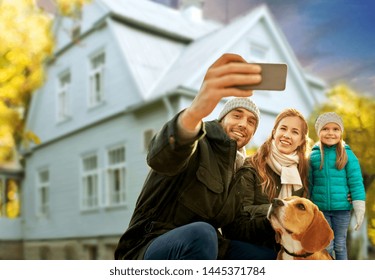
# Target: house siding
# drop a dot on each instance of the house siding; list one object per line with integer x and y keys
{"x": 119, "y": 89}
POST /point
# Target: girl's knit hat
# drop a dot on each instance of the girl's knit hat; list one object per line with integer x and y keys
{"x": 240, "y": 102}
{"x": 329, "y": 117}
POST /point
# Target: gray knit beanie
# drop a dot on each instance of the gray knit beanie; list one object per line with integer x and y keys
{"x": 240, "y": 102}
{"x": 325, "y": 118}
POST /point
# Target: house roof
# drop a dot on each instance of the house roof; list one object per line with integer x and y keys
{"x": 166, "y": 50}
{"x": 152, "y": 37}
{"x": 189, "y": 69}
{"x": 160, "y": 18}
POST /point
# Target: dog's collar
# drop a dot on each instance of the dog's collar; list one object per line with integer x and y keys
{"x": 305, "y": 255}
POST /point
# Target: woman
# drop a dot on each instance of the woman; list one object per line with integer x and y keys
{"x": 277, "y": 169}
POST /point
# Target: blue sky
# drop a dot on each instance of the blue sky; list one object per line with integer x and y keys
{"x": 332, "y": 39}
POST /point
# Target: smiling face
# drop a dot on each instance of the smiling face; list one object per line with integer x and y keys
{"x": 239, "y": 124}
{"x": 288, "y": 134}
{"x": 330, "y": 134}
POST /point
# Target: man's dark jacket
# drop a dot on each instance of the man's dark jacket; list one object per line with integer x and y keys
{"x": 188, "y": 182}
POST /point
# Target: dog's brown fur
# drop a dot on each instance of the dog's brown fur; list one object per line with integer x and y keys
{"x": 301, "y": 229}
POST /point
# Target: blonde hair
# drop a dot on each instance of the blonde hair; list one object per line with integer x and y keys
{"x": 341, "y": 155}
{"x": 259, "y": 159}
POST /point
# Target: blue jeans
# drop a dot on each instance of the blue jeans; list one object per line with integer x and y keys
{"x": 339, "y": 221}
{"x": 198, "y": 241}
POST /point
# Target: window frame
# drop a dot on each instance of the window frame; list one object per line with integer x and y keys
{"x": 43, "y": 193}
{"x": 96, "y": 73}
{"x": 90, "y": 202}
{"x": 63, "y": 112}
{"x": 116, "y": 196}
{"x": 255, "y": 48}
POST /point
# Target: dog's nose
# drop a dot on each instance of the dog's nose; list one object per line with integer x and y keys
{"x": 276, "y": 202}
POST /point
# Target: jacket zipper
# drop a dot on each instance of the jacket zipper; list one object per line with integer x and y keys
{"x": 326, "y": 155}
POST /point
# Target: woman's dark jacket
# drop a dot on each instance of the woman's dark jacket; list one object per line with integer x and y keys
{"x": 255, "y": 205}
{"x": 187, "y": 183}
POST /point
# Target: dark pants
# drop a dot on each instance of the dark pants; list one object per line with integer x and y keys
{"x": 198, "y": 241}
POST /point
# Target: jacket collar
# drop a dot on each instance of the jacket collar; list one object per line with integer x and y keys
{"x": 214, "y": 130}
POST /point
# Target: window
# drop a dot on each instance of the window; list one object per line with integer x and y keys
{"x": 70, "y": 252}
{"x": 116, "y": 176}
{"x": 258, "y": 52}
{"x": 90, "y": 183}
{"x": 91, "y": 251}
{"x": 9, "y": 198}
{"x": 43, "y": 186}
{"x": 63, "y": 97}
{"x": 96, "y": 94}
{"x": 45, "y": 253}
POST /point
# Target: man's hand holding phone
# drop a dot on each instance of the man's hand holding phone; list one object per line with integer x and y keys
{"x": 220, "y": 81}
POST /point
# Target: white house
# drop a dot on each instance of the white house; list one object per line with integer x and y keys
{"x": 119, "y": 73}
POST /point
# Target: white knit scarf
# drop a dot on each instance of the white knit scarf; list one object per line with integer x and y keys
{"x": 285, "y": 166}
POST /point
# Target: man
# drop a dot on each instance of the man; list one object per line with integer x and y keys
{"x": 191, "y": 192}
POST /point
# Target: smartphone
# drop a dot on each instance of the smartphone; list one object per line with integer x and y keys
{"x": 273, "y": 77}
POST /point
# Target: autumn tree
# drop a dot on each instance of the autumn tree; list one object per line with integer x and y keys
{"x": 27, "y": 42}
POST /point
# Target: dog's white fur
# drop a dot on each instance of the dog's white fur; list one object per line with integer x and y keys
{"x": 301, "y": 229}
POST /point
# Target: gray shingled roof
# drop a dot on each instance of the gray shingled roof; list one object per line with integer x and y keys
{"x": 189, "y": 69}
{"x": 156, "y": 16}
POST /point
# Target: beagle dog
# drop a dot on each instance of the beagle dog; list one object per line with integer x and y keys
{"x": 301, "y": 229}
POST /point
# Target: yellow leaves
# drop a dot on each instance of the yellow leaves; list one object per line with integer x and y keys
{"x": 8, "y": 116}
{"x": 23, "y": 25}
{"x": 6, "y": 137}
{"x": 9, "y": 120}
{"x": 35, "y": 79}
{"x": 6, "y": 142}
{"x": 71, "y": 7}
{"x": 370, "y": 205}
{"x": 12, "y": 201}
{"x": 30, "y": 136}
{"x": 26, "y": 41}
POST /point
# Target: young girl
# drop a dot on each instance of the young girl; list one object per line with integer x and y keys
{"x": 277, "y": 169}
{"x": 334, "y": 173}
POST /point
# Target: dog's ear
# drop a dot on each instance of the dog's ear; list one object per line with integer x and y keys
{"x": 318, "y": 235}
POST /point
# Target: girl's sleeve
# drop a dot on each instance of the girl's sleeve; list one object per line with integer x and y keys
{"x": 354, "y": 177}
